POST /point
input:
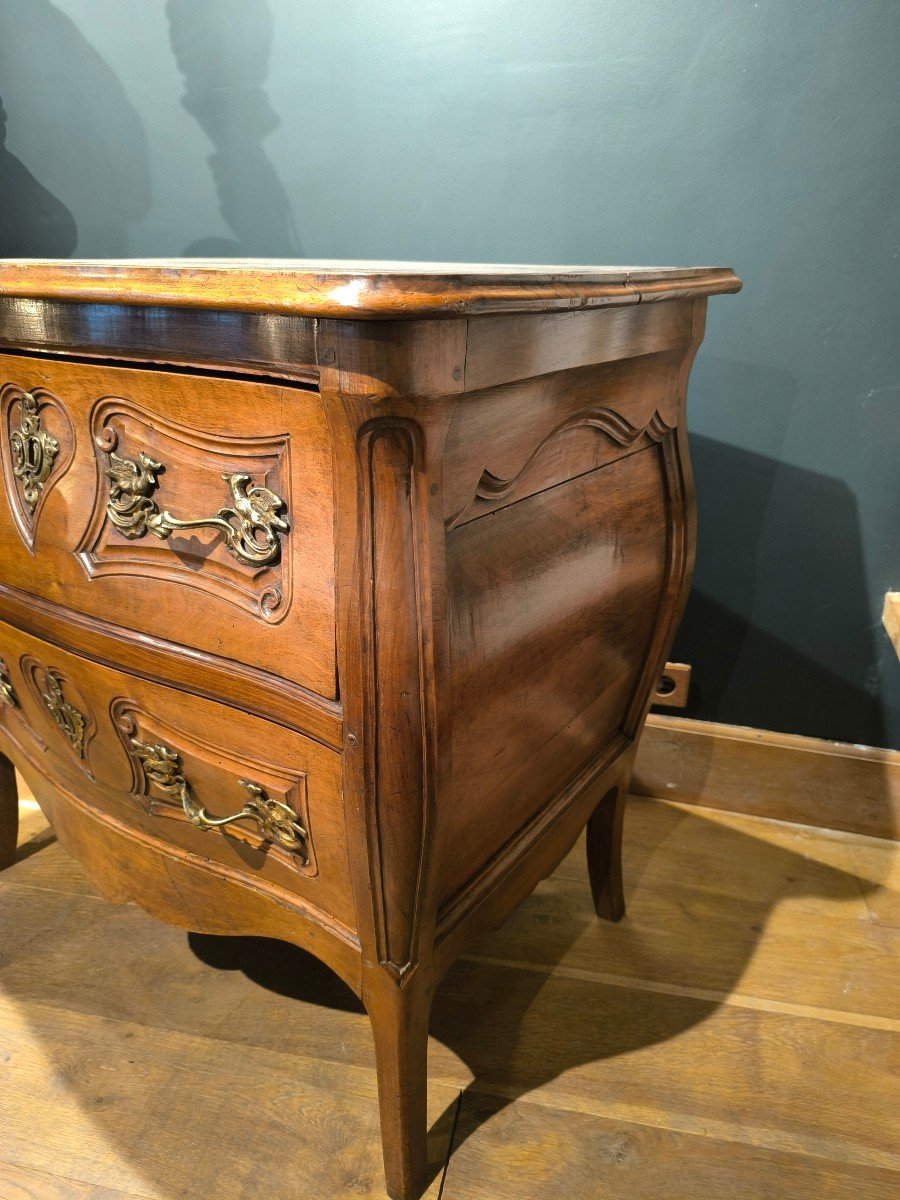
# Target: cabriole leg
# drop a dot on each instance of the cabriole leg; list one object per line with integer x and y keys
{"x": 399, "y": 1019}
{"x": 604, "y": 852}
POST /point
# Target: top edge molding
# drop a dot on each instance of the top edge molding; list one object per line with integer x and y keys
{"x": 355, "y": 290}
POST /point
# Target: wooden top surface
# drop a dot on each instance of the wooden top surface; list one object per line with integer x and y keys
{"x": 335, "y": 288}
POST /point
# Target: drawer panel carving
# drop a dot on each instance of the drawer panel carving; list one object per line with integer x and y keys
{"x": 227, "y": 787}
{"x": 194, "y": 509}
{"x": 233, "y": 552}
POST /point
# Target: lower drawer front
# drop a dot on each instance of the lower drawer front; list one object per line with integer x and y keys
{"x": 170, "y": 766}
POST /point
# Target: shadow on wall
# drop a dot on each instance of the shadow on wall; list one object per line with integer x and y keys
{"x": 759, "y": 520}
{"x": 72, "y": 120}
{"x": 223, "y": 52}
{"x": 33, "y": 222}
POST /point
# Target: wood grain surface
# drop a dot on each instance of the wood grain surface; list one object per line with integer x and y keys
{"x": 9, "y": 812}
{"x": 354, "y": 289}
{"x": 607, "y": 1067}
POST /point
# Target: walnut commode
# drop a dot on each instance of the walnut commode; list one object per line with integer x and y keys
{"x": 333, "y": 596}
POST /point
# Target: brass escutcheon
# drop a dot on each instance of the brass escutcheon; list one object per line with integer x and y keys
{"x": 69, "y": 721}
{"x": 34, "y": 451}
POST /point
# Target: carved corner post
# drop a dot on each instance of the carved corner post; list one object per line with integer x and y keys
{"x": 605, "y": 826}
{"x": 390, "y": 396}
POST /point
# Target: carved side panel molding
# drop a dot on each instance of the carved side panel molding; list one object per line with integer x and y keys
{"x": 229, "y": 521}
{"x": 677, "y": 484}
{"x": 492, "y": 490}
{"x": 38, "y": 446}
{"x": 175, "y": 775}
{"x": 399, "y": 756}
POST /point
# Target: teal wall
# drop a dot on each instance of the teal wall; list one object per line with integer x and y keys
{"x": 759, "y": 135}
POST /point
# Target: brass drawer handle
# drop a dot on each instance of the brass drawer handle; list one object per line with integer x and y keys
{"x": 277, "y": 822}
{"x": 251, "y": 529}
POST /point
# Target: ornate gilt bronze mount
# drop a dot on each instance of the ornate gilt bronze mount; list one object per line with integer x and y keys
{"x": 7, "y": 692}
{"x": 251, "y": 529}
{"x": 276, "y": 822}
{"x": 68, "y": 719}
{"x": 34, "y": 451}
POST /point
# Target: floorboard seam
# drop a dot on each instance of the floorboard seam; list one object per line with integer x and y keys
{"x": 456, "y": 1111}
{"x": 702, "y": 995}
{"x": 41, "y": 1173}
{"x": 721, "y": 1131}
{"x": 847, "y": 836}
{"x": 15, "y": 884}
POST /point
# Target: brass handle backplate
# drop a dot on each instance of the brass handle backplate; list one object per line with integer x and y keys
{"x": 276, "y": 822}
{"x": 251, "y": 529}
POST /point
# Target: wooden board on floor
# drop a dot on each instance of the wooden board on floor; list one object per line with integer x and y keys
{"x": 507, "y": 1152}
{"x": 779, "y": 775}
{"x": 17, "y": 1183}
{"x": 160, "y": 1114}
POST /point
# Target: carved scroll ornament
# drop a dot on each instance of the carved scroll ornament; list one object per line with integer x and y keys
{"x": 492, "y": 488}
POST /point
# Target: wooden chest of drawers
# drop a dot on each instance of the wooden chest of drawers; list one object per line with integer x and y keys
{"x": 332, "y": 598}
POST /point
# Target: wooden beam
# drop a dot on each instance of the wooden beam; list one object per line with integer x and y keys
{"x": 780, "y": 775}
{"x": 891, "y": 618}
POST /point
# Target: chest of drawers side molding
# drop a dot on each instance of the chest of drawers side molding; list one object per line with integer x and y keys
{"x": 394, "y": 391}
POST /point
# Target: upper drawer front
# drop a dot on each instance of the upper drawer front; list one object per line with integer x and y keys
{"x": 196, "y": 509}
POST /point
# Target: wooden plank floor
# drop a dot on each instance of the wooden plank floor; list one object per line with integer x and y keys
{"x": 736, "y": 1036}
